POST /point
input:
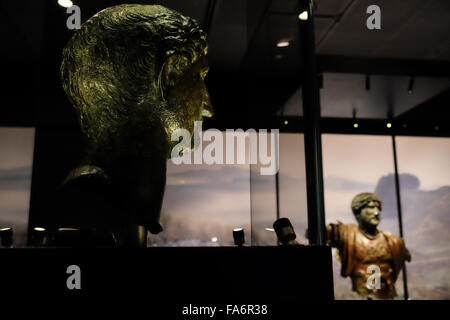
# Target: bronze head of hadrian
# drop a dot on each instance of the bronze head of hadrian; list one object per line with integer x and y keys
{"x": 367, "y": 210}
{"x": 134, "y": 74}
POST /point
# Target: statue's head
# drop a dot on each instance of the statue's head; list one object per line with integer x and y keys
{"x": 367, "y": 209}
{"x": 137, "y": 68}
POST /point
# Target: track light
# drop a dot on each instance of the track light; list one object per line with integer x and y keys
{"x": 355, "y": 122}
{"x": 6, "y": 237}
{"x": 68, "y": 237}
{"x": 389, "y": 119}
{"x": 38, "y": 236}
{"x": 411, "y": 85}
{"x": 239, "y": 237}
{"x": 285, "y": 231}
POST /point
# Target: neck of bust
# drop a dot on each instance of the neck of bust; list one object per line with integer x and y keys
{"x": 370, "y": 231}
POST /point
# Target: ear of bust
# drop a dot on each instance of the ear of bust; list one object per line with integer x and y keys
{"x": 171, "y": 71}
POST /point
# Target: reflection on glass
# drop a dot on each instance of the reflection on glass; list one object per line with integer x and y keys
{"x": 16, "y": 161}
{"x": 423, "y": 165}
{"x": 292, "y": 193}
{"x": 353, "y": 164}
{"x": 292, "y": 183}
{"x": 263, "y": 203}
{"x": 264, "y": 207}
{"x": 204, "y": 203}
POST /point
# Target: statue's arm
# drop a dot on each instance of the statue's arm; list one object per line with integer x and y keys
{"x": 333, "y": 234}
{"x": 329, "y": 233}
{"x": 407, "y": 255}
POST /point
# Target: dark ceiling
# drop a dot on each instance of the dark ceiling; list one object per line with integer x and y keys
{"x": 410, "y": 29}
{"x": 250, "y": 76}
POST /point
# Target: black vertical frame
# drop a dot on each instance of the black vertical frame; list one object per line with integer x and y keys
{"x": 277, "y": 177}
{"x": 399, "y": 211}
{"x": 311, "y": 116}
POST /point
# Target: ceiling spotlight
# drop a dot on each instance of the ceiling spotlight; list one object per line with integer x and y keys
{"x": 303, "y": 16}
{"x": 389, "y": 125}
{"x": 411, "y": 85}
{"x": 355, "y": 124}
{"x": 65, "y": 3}
{"x": 286, "y": 122}
{"x": 283, "y": 44}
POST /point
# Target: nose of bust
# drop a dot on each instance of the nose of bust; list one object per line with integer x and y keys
{"x": 207, "y": 108}
{"x": 207, "y": 111}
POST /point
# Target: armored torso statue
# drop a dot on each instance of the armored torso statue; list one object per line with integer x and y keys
{"x": 363, "y": 246}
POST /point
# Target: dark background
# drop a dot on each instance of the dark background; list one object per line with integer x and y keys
{"x": 252, "y": 81}
{"x": 251, "y": 78}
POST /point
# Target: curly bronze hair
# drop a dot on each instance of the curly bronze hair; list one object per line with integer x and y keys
{"x": 361, "y": 200}
{"x": 113, "y": 63}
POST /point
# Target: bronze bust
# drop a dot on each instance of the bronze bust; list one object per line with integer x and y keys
{"x": 134, "y": 74}
{"x": 364, "y": 245}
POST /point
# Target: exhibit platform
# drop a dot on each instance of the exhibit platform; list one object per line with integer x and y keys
{"x": 180, "y": 274}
